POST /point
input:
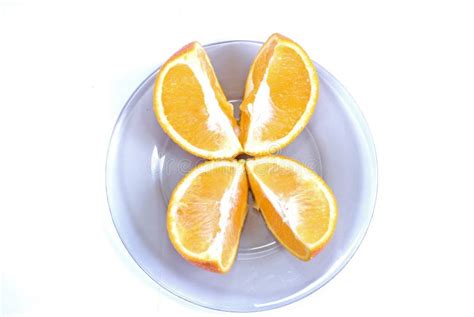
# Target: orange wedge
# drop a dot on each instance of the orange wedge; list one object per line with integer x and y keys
{"x": 191, "y": 107}
{"x": 297, "y": 205}
{"x": 280, "y": 96}
{"x": 206, "y": 213}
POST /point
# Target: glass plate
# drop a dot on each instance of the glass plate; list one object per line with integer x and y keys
{"x": 144, "y": 165}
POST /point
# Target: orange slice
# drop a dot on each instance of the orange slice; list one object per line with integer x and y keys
{"x": 280, "y": 96}
{"x": 206, "y": 214}
{"x": 298, "y": 206}
{"x": 191, "y": 107}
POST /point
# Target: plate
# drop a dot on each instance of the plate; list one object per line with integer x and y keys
{"x": 144, "y": 165}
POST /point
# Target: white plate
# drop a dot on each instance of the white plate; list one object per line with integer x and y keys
{"x": 144, "y": 165}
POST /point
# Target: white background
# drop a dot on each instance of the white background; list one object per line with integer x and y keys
{"x": 66, "y": 70}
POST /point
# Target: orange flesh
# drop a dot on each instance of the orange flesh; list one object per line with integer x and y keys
{"x": 312, "y": 206}
{"x": 275, "y": 223}
{"x": 290, "y": 90}
{"x": 198, "y": 214}
{"x": 183, "y": 102}
{"x": 191, "y": 107}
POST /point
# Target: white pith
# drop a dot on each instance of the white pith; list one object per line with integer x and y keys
{"x": 286, "y": 207}
{"x": 226, "y": 205}
{"x": 261, "y": 110}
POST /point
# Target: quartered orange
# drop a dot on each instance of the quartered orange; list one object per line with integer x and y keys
{"x": 280, "y": 96}
{"x": 298, "y": 206}
{"x": 191, "y": 107}
{"x": 206, "y": 213}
